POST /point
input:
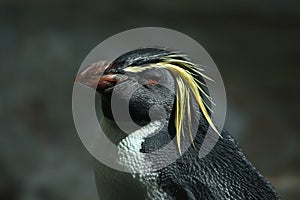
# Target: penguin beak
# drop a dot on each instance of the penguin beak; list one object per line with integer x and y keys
{"x": 93, "y": 77}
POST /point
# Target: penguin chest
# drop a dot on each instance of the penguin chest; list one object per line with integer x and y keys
{"x": 139, "y": 181}
{"x": 131, "y": 158}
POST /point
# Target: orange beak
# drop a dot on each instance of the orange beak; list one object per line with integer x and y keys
{"x": 93, "y": 77}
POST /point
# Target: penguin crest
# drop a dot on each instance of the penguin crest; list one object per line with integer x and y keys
{"x": 187, "y": 86}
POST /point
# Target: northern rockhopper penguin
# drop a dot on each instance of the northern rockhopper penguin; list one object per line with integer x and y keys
{"x": 143, "y": 76}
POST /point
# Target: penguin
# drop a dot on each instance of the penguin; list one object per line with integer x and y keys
{"x": 168, "y": 84}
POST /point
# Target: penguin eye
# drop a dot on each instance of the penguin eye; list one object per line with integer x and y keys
{"x": 152, "y": 81}
{"x": 149, "y": 78}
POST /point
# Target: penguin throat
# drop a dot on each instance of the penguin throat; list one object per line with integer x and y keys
{"x": 129, "y": 149}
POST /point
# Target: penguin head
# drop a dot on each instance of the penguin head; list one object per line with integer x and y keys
{"x": 148, "y": 94}
{"x": 151, "y": 83}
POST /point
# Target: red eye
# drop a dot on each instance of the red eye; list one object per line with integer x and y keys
{"x": 152, "y": 82}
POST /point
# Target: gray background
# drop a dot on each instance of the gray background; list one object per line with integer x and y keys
{"x": 255, "y": 44}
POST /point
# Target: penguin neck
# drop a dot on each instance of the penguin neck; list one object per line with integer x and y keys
{"x": 112, "y": 131}
{"x": 117, "y": 135}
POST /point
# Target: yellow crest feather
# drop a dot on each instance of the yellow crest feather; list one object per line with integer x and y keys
{"x": 186, "y": 85}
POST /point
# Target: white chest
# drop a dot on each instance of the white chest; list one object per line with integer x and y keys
{"x": 131, "y": 159}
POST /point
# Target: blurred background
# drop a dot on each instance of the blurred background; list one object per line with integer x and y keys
{"x": 255, "y": 44}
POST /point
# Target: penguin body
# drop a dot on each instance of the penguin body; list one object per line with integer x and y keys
{"x": 224, "y": 173}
